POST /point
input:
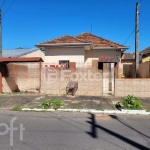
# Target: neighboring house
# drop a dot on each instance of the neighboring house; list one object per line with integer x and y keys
{"x": 85, "y": 51}
{"x": 145, "y": 55}
{"x": 23, "y": 75}
{"x": 126, "y": 62}
{"x": 33, "y": 52}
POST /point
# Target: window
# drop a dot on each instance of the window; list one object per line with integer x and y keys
{"x": 64, "y": 64}
{"x": 100, "y": 65}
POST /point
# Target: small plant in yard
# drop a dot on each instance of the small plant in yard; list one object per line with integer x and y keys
{"x": 55, "y": 104}
{"x": 131, "y": 102}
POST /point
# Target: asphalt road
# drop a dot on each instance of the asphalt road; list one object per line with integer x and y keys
{"x": 73, "y": 131}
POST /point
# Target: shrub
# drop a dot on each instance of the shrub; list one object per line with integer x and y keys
{"x": 131, "y": 102}
{"x": 55, "y": 104}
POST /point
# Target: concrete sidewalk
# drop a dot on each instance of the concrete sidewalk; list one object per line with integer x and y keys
{"x": 69, "y": 102}
{"x": 87, "y": 102}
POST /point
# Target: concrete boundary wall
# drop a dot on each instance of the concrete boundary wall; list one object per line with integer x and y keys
{"x": 136, "y": 87}
{"x": 58, "y": 87}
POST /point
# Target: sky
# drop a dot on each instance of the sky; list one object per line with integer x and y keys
{"x": 29, "y": 22}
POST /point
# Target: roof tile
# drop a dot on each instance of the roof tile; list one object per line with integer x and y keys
{"x": 145, "y": 51}
{"x": 97, "y": 41}
{"x": 84, "y": 38}
{"x": 128, "y": 56}
{"x": 64, "y": 39}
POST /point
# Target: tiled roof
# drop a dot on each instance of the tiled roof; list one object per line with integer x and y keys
{"x": 111, "y": 59}
{"x": 128, "y": 56}
{"x": 145, "y": 51}
{"x": 84, "y": 38}
{"x": 63, "y": 39}
{"x": 97, "y": 41}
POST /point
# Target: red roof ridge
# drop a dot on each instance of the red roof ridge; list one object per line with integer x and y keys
{"x": 100, "y": 38}
{"x": 62, "y": 38}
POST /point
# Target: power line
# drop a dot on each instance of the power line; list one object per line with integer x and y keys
{"x": 3, "y": 3}
{"x": 13, "y": 1}
{"x": 146, "y": 44}
{"x": 129, "y": 37}
{"x": 145, "y": 8}
{"x": 145, "y": 4}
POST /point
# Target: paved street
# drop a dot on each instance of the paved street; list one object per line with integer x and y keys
{"x": 75, "y": 131}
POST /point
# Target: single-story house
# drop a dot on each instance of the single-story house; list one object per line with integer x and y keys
{"x": 81, "y": 49}
{"x": 85, "y": 50}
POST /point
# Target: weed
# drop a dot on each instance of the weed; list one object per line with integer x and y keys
{"x": 113, "y": 106}
{"x": 17, "y": 108}
{"x": 55, "y": 104}
{"x": 131, "y": 102}
{"x": 148, "y": 109}
{"x": 79, "y": 105}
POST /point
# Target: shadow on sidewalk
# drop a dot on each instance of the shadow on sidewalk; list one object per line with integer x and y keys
{"x": 94, "y": 128}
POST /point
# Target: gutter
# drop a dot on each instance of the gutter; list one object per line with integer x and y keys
{"x": 61, "y": 45}
{"x": 111, "y": 48}
{"x": 82, "y": 44}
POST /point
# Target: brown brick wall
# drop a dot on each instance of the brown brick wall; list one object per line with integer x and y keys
{"x": 135, "y": 87}
{"x": 21, "y": 77}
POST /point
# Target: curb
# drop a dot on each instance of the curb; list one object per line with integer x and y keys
{"x": 124, "y": 111}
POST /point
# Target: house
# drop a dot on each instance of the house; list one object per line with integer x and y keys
{"x": 82, "y": 48}
{"x": 145, "y": 55}
{"x": 85, "y": 52}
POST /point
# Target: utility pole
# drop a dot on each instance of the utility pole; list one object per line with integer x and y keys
{"x": 0, "y": 33}
{"x": 137, "y": 39}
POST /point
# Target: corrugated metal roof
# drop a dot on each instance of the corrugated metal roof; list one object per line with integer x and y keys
{"x": 17, "y": 52}
{"x": 22, "y": 59}
{"x": 109, "y": 59}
